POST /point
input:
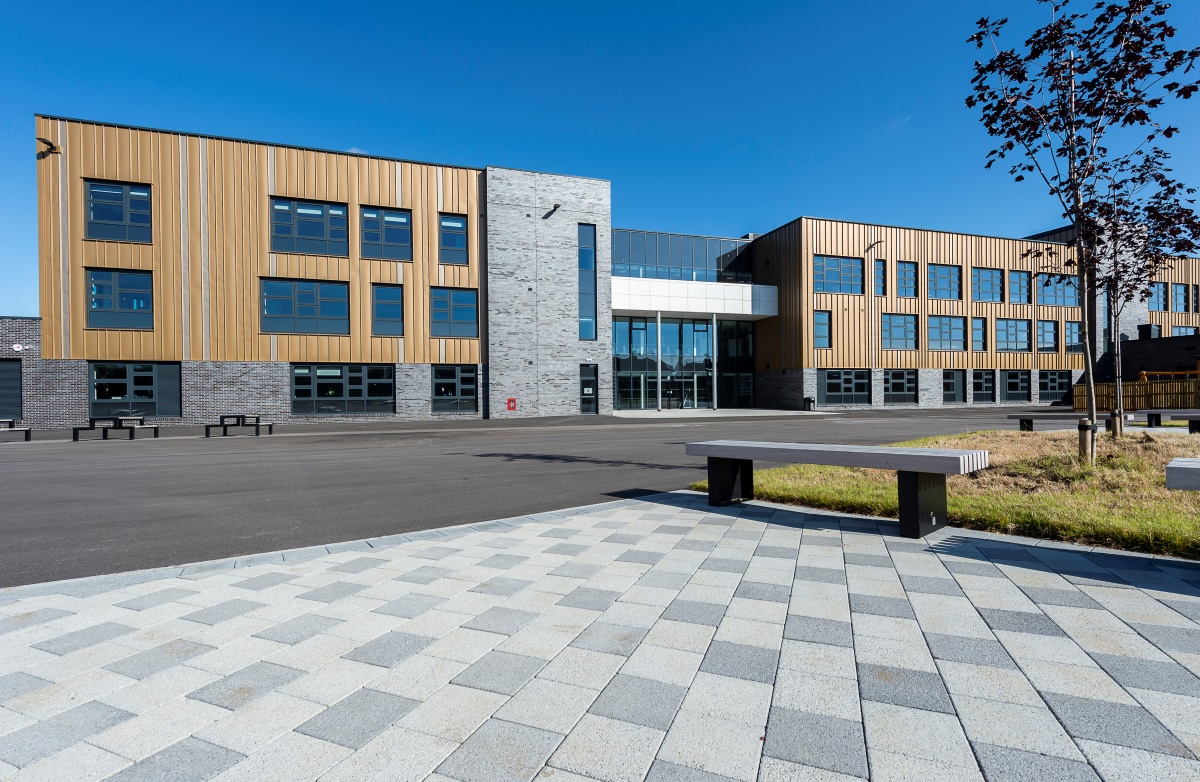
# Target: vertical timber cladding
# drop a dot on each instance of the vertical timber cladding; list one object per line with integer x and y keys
{"x": 211, "y": 245}
{"x": 534, "y": 349}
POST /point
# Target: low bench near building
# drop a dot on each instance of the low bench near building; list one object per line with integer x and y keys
{"x": 9, "y": 426}
{"x": 921, "y": 472}
{"x": 240, "y": 420}
{"x": 1183, "y": 474}
{"x": 1026, "y": 419}
{"x": 1155, "y": 417}
{"x": 115, "y": 423}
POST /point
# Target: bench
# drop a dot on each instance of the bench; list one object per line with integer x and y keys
{"x": 1026, "y": 419}
{"x": 1155, "y": 417}
{"x": 10, "y": 425}
{"x": 921, "y": 472}
{"x": 1183, "y": 474}
{"x": 109, "y": 423}
{"x": 240, "y": 420}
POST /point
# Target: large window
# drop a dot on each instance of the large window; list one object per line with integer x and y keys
{"x": 386, "y": 233}
{"x": 899, "y": 332}
{"x": 1057, "y": 290}
{"x": 880, "y": 278}
{"x": 10, "y": 388}
{"x": 309, "y": 227}
{"x": 1158, "y": 297}
{"x": 947, "y": 333}
{"x": 1012, "y": 335}
{"x": 587, "y": 281}
{"x": 1014, "y": 385}
{"x": 678, "y": 257}
{"x": 945, "y": 282}
{"x": 906, "y": 279}
{"x": 454, "y": 389}
{"x": 150, "y": 390}
{"x": 1176, "y": 331}
{"x": 1054, "y": 385}
{"x": 331, "y": 389}
{"x": 1047, "y": 335}
{"x": 387, "y": 310}
{"x": 120, "y": 300}
{"x": 452, "y": 242}
{"x": 983, "y": 385}
{"x": 822, "y": 329}
{"x": 954, "y": 386}
{"x": 1074, "y": 336}
{"x": 1179, "y": 298}
{"x": 118, "y": 212}
{"x": 899, "y": 386}
{"x": 305, "y": 307}
{"x": 844, "y": 387}
{"x": 987, "y": 284}
{"x": 1018, "y": 288}
{"x": 455, "y": 312}
{"x": 837, "y": 275}
{"x": 979, "y": 339}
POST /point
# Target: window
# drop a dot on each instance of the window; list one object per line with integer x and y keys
{"x": 452, "y": 244}
{"x": 979, "y": 334}
{"x": 1176, "y": 331}
{"x": 1074, "y": 336}
{"x": 947, "y": 333}
{"x": 455, "y": 313}
{"x": 945, "y": 282}
{"x": 305, "y": 307}
{"x": 387, "y": 310}
{"x": 587, "y": 281}
{"x": 120, "y": 300}
{"x": 332, "y": 389}
{"x": 987, "y": 284}
{"x": 309, "y": 227}
{"x": 822, "y": 330}
{"x": 1158, "y": 297}
{"x": 880, "y": 278}
{"x": 1014, "y": 385}
{"x": 1196, "y": 298}
{"x": 454, "y": 389}
{"x": 678, "y": 257}
{"x": 899, "y": 332}
{"x": 117, "y": 212}
{"x": 1047, "y": 336}
{"x": 589, "y": 391}
{"x": 983, "y": 385}
{"x": 386, "y": 233}
{"x": 1057, "y": 290}
{"x": 837, "y": 275}
{"x": 844, "y": 387}
{"x": 150, "y": 390}
{"x": 1018, "y": 288}
{"x": 906, "y": 279}
{"x": 1054, "y": 385}
{"x": 1179, "y": 298}
{"x": 1012, "y": 335}
{"x": 10, "y": 388}
{"x": 899, "y": 386}
{"x": 954, "y": 386}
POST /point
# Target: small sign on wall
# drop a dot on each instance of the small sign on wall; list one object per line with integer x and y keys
{"x": 512, "y": 404}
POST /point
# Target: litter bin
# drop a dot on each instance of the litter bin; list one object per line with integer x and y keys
{"x": 809, "y": 403}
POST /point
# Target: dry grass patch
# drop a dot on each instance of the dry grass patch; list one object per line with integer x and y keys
{"x": 1033, "y": 487}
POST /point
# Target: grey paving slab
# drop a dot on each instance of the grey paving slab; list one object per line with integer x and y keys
{"x": 930, "y": 586}
{"x": 160, "y": 658}
{"x": 661, "y": 579}
{"x": 501, "y": 585}
{"x": 409, "y": 606}
{"x": 34, "y": 742}
{"x": 725, "y": 565}
{"x": 501, "y": 751}
{"x": 753, "y": 590}
{"x": 625, "y": 538}
{"x": 424, "y": 575}
{"x": 249, "y": 684}
{"x": 223, "y": 612}
{"x": 1189, "y": 608}
{"x": 25, "y": 619}
{"x": 569, "y": 549}
{"x": 817, "y": 740}
{"x": 1020, "y": 622}
{"x": 81, "y": 639}
{"x": 673, "y": 529}
{"x": 1060, "y": 597}
{"x": 962, "y": 568}
{"x": 359, "y": 565}
{"x": 331, "y": 593}
{"x": 500, "y": 672}
{"x": 498, "y": 619}
{"x": 575, "y": 570}
{"x": 591, "y": 599}
{"x": 640, "y": 557}
{"x": 739, "y": 661}
{"x": 189, "y": 760}
{"x": 357, "y": 718}
{"x": 776, "y": 552}
{"x": 609, "y": 638}
{"x": 435, "y": 552}
{"x": 19, "y": 683}
{"x": 881, "y": 606}
{"x": 501, "y": 561}
{"x": 662, "y": 771}
{"x": 301, "y": 628}
{"x": 641, "y": 701}
{"x": 696, "y": 545}
{"x": 155, "y": 599}
{"x": 976, "y": 651}
{"x": 1114, "y": 723}
{"x": 903, "y": 687}
{"x": 817, "y": 630}
{"x": 1159, "y": 675}
{"x": 1003, "y": 764}
{"x": 870, "y": 560}
{"x": 1175, "y": 639}
{"x": 389, "y": 649}
{"x": 694, "y": 612}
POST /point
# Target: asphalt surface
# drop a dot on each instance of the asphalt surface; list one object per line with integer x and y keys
{"x": 70, "y": 510}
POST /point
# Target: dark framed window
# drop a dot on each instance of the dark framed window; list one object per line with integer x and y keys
{"x": 822, "y": 329}
{"x": 1014, "y": 385}
{"x": 10, "y": 388}
{"x": 1012, "y": 335}
{"x": 309, "y": 227}
{"x": 1057, "y": 290}
{"x": 1179, "y": 298}
{"x": 387, "y": 310}
{"x": 454, "y": 312}
{"x": 947, "y": 333}
{"x": 1054, "y": 385}
{"x": 1196, "y": 298}
{"x": 899, "y": 332}
{"x": 954, "y": 386}
{"x": 837, "y": 275}
{"x": 987, "y": 284}
{"x": 945, "y": 282}
{"x": 1047, "y": 336}
{"x": 1018, "y": 288}
{"x": 844, "y": 387}
{"x": 906, "y": 279}
{"x": 881, "y": 278}
{"x": 899, "y": 386}
{"x": 979, "y": 340}
{"x": 1158, "y": 297}
{"x": 678, "y": 257}
{"x": 1176, "y": 331}
{"x": 587, "y": 281}
{"x": 386, "y": 233}
{"x": 305, "y": 307}
{"x": 1074, "y": 336}
{"x": 589, "y": 389}
{"x": 452, "y": 239}
{"x": 455, "y": 389}
{"x": 983, "y": 385}
{"x": 335, "y": 389}
{"x": 150, "y": 390}
{"x": 120, "y": 300}
{"x": 118, "y": 212}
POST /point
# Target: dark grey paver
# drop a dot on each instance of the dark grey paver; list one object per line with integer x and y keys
{"x": 740, "y": 661}
{"x": 816, "y": 740}
{"x": 424, "y": 575}
{"x": 694, "y": 612}
{"x": 154, "y": 599}
{"x": 1060, "y": 597}
{"x": 662, "y": 771}
{"x": 1175, "y": 639}
{"x": 591, "y": 599}
{"x": 570, "y": 549}
{"x": 1189, "y": 608}
{"x": 331, "y": 593}
{"x": 497, "y": 619}
{"x": 870, "y": 560}
{"x": 820, "y": 631}
{"x": 776, "y": 552}
{"x": 881, "y": 606}
{"x": 903, "y": 687}
{"x": 82, "y": 639}
{"x": 961, "y": 568}
{"x": 160, "y": 658}
{"x": 409, "y": 606}
{"x": 821, "y": 540}
{"x": 359, "y": 565}
{"x": 301, "y": 628}
{"x": 222, "y": 612}
{"x": 389, "y": 649}
{"x": 1020, "y": 622}
{"x": 559, "y": 533}
{"x": 695, "y": 545}
{"x": 906, "y": 546}
{"x": 930, "y": 585}
{"x": 265, "y": 581}
{"x": 30, "y": 618}
{"x": 502, "y": 585}
{"x": 609, "y": 638}
{"x": 755, "y": 590}
{"x": 821, "y": 575}
{"x": 14, "y": 684}
{"x": 357, "y": 718}
{"x": 34, "y": 742}
{"x": 575, "y": 570}
{"x": 1008, "y": 555}
{"x": 725, "y": 565}
{"x": 501, "y": 561}
{"x": 1002, "y": 764}
{"x": 249, "y": 684}
{"x": 672, "y": 529}
{"x": 621, "y": 537}
{"x": 640, "y": 701}
{"x": 435, "y": 552}
{"x": 189, "y": 760}
{"x": 660, "y": 579}
{"x": 1114, "y": 723}
{"x": 977, "y": 651}
{"x": 500, "y": 672}
{"x": 1158, "y": 675}
{"x": 501, "y": 751}
{"x": 640, "y": 557}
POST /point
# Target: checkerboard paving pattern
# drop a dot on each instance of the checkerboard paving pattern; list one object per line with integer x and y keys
{"x": 650, "y": 639}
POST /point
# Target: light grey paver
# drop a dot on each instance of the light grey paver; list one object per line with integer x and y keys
{"x": 241, "y": 687}
{"x": 662, "y": 771}
{"x": 34, "y": 742}
{"x": 501, "y": 752}
{"x": 81, "y": 639}
{"x": 189, "y": 760}
{"x": 357, "y": 718}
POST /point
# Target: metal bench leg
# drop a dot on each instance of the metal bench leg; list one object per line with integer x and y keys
{"x": 29, "y": 435}
{"x": 1194, "y": 426}
{"x": 1153, "y": 420}
{"x": 729, "y": 480}
{"x": 922, "y": 503}
{"x": 1108, "y": 425}
{"x": 1026, "y": 424}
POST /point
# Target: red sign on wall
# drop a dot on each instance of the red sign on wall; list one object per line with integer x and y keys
{"x": 512, "y": 403}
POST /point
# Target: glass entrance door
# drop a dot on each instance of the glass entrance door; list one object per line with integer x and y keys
{"x": 589, "y": 396}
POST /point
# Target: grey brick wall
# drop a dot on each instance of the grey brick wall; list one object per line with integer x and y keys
{"x": 54, "y": 391}
{"x": 533, "y": 346}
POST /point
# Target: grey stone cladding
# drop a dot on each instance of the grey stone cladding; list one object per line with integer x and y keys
{"x": 54, "y": 392}
{"x": 533, "y": 350}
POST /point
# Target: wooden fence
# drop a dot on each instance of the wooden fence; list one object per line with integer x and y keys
{"x": 1144, "y": 395}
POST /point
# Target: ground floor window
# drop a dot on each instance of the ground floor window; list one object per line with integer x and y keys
{"x": 589, "y": 388}
{"x": 330, "y": 389}
{"x": 844, "y": 387}
{"x": 150, "y": 390}
{"x": 983, "y": 385}
{"x": 10, "y": 388}
{"x": 635, "y": 390}
{"x": 1054, "y": 385}
{"x": 735, "y": 389}
{"x": 1014, "y": 385}
{"x": 899, "y": 386}
{"x": 954, "y": 386}
{"x": 455, "y": 389}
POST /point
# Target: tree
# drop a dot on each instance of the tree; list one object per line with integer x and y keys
{"x": 1075, "y": 107}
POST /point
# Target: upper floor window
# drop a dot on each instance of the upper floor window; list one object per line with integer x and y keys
{"x": 1018, "y": 287}
{"x": 978, "y": 333}
{"x": 587, "y": 281}
{"x": 1179, "y": 298}
{"x": 945, "y": 282}
{"x": 386, "y": 234}
{"x": 455, "y": 312}
{"x": 1158, "y": 297}
{"x": 1074, "y": 336}
{"x": 1047, "y": 336}
{"x": 309, "y": 227}
{"x": 1012, "y": 335}
{"x": 987, "y": 284}
{"x": 822, "y": 330}
{"x": 387, "y": 310}
{"x": 452, "y": 244}
{"x": 120, "y": 300}
{"x": 880, "y": 278}
{"x": 1184, "y": 331}
{"x": 1057, "y": 290}
{"x": 117, "y": 212}
{"x": 837, "y": 275}
{"x": 906, "y": 279}
{"x": 947, "y": 333}
{"x": 305, "y": 307}
{"x": 899, "y": 332}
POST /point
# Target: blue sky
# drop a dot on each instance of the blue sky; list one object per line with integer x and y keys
{"x": 707, "y": 118}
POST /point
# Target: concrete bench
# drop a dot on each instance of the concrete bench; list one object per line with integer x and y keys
{"x": 1183, "y": 474}
{"x": 1026, "y": 419}
{"x": 921, "y": 472}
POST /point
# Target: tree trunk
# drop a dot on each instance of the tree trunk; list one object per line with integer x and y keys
{"x": 1087, "y": 445}
{"x": 1118, "y": 411}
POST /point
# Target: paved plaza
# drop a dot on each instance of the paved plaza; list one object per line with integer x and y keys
{"x": 651, "y": 638}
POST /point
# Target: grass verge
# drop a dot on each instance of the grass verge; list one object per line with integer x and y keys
{"x": 1034, "y": 487}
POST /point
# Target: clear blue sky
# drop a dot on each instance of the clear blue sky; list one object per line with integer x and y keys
{"x": 708, "y": 118}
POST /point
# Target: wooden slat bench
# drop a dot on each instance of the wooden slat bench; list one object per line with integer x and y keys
{"x": 921, "y": 472}
{"x": 1183, "y": 474}
{"x": 1026, "y": 419}
{"x": 9, "y": 425}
